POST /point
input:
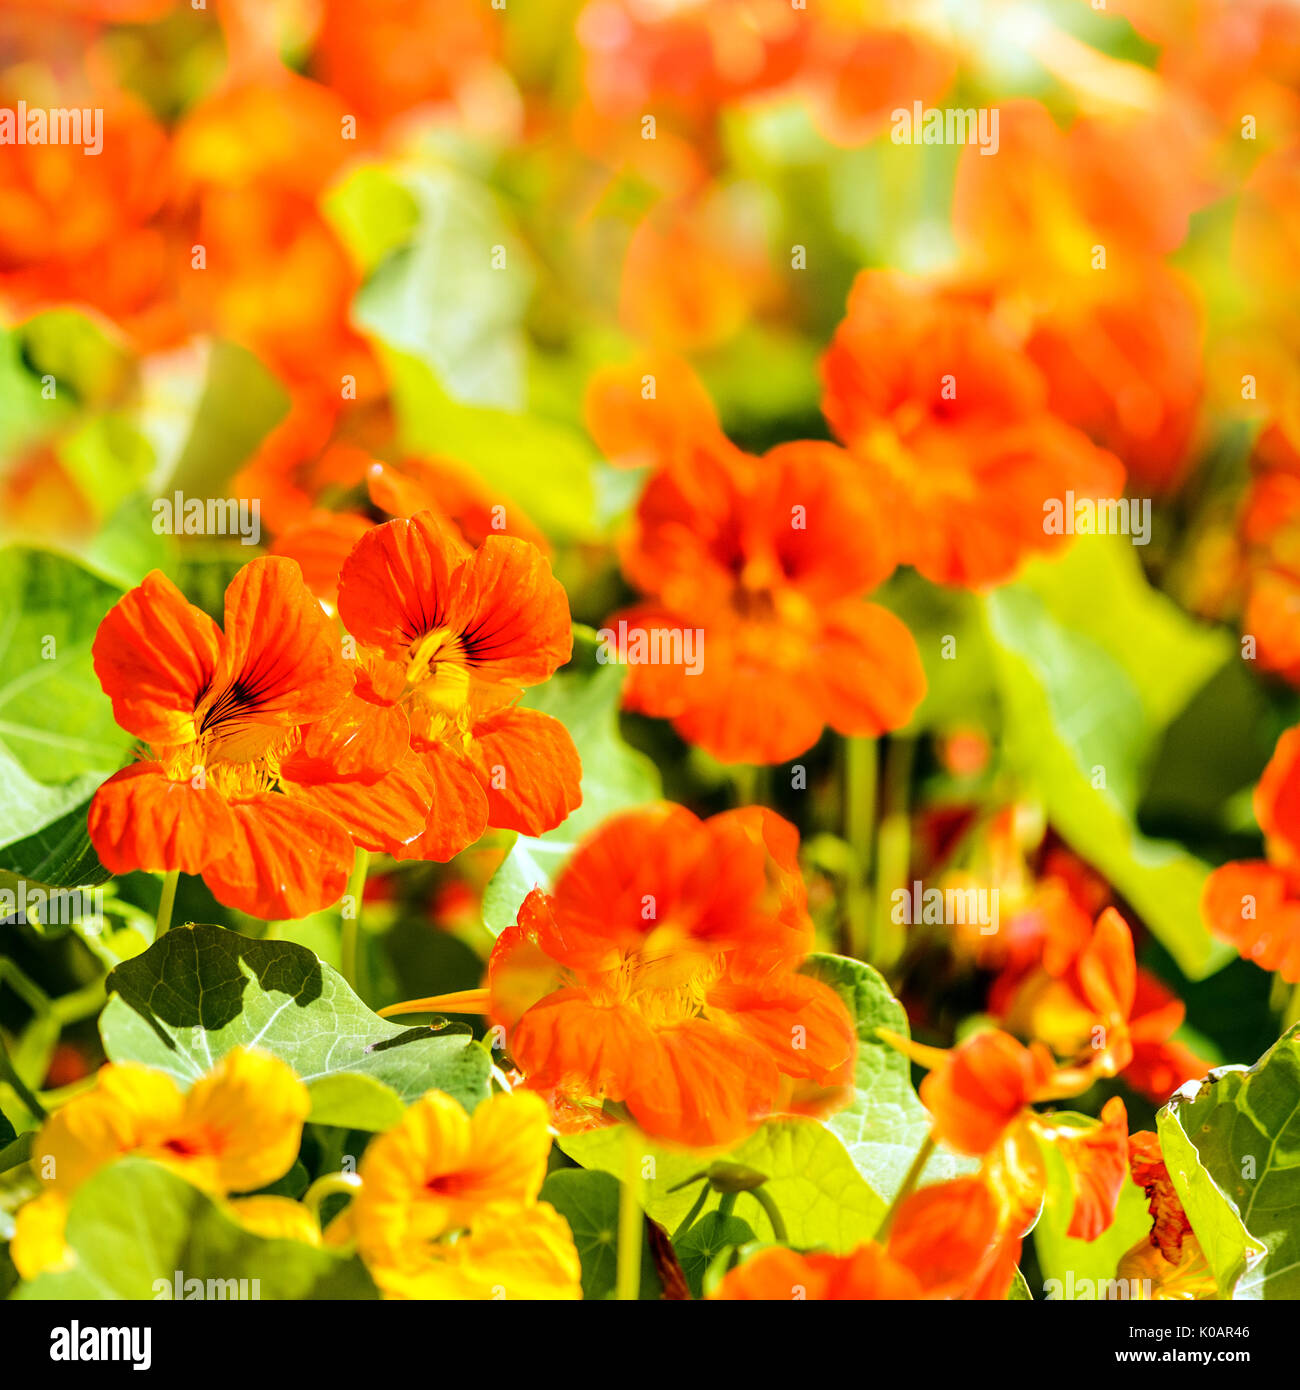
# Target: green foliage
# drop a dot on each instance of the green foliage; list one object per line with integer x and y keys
{"x": 58, "y": 739}
{"x": 202, "y": 990}
{"x": 588, "y": 1201}
{"x": 455, "y": 252}
{"x": 1079, "y": 644}
{"x": 503, "y": 447}
{"x": 885, "y": 1124}
{"x": 1231, "y": 1144}
{"x": 59, "y": 855}
{"x": 708, "y": 1239}
{"x": 133, "y": 1225}
{"x": 241, "y": 402}
{"x": 822, "y": 1197}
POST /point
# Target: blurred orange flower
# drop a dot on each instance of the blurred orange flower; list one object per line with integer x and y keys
{"x": 1066, "y": 229}
{"x": 950, "y": 422}
{"x": 980, "y": 1095}
{"x": 1255, "y": 904}
{"x": 764, "y": 561}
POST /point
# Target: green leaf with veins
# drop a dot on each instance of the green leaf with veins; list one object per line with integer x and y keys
{"x": 589, "y": 1202}
{"x": 821, "y": 1196}
{"x": 202, "y": 990}
{"x": 705, "y": 1241}
{"x": 1231, "y": 1144}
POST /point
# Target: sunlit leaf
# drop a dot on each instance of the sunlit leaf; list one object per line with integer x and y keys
{"x": 1231, "y": 1144}
{"x": 589, "y": 1201}
{"x": 821, "y": 1196}
{"x": 202, "y": 990}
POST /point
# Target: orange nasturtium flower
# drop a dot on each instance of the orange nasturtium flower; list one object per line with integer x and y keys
{"x": 662, "y": 973}
{"x": 951, "y": 424}
{"x": 1255, "y": 904}
{"x": 452, "y": 636}
{"x": 980, "y": 1096}
{"x": 1093, "y": 992}
{"x": 236, "y": 1129}
{"x": 943, "y": 1243}
{"x": 448, "y": 1204}
{"x": 763, "y": 564}
{"x": 232, "y": 789}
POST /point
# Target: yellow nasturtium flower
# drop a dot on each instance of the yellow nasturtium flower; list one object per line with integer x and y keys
{"x": 236, "y": 1129}
{"x": 448, "y": 1204}
{"x": 37, "y": 1244}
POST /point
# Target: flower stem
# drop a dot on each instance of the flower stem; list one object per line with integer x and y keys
{"x": 166, "y": 902}
{"x": 908, "y": 1187}
{"x": 893, "y": 849}
{"x": 628, "y": 1287}
{"x": 351, "y": 924}
{"x": 9, "y": 1073}
{"x": 328, "y": 1186}
{"x": 1292, "y": 1012}
{"x": 860, "y": 775}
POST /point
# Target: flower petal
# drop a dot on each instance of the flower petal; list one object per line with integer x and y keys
{"x": 287, "y": 859}
{"x": 155, "y": 655}
{"x": 458, "y": 811}
{"x": 283, "y": 662}
{"x": 143, "y": 819}
{"x": 531, "y": 771}
{"x": 394, "y": 587}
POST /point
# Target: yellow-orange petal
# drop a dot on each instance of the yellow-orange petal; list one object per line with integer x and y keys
{"x": 277, "y": 1218}
{"x": 37, "y": 1244}
{"x": 240, "y": 1125}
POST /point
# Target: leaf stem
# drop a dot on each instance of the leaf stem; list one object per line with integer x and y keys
{"x": 909, "y": 1183}
{"x": 860, "y": 775}
{"x": 1291, "y": 1014}
{"x": 893, "y": 849}
{"x": 166, "y": 901}
{"x": 764, "y": 1199}
{"x": 9, "y": 1073}
{"x": 692, "y": 1216}
{"x": 329, "y": 1186}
